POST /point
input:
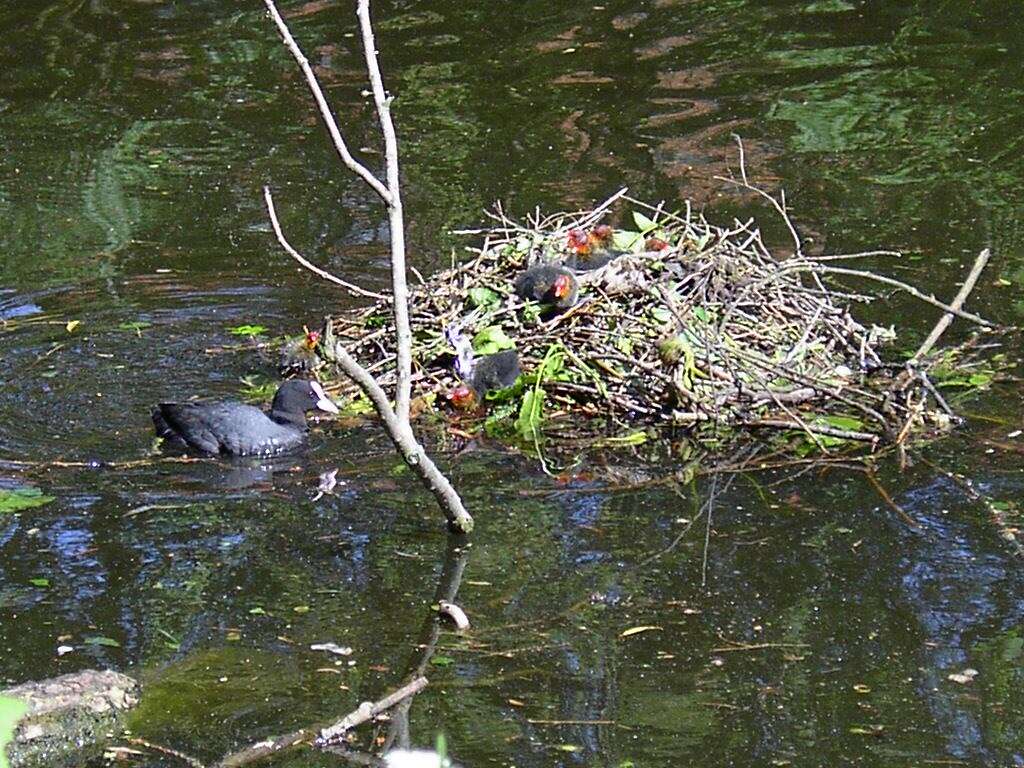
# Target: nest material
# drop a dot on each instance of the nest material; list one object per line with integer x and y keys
{"x": 711, "y": 330}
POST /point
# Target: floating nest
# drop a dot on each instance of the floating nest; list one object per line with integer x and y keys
{"x": 677, "y": 322}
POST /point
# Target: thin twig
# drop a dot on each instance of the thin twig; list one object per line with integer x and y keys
{"x": 187, "y": 759}
{"x": 958, "y": 302}
{"x": 325, "y": 111}
{"x": 399, "y": 281}
{"x": 269, "y": 199}
{"x": 368, "y": 710}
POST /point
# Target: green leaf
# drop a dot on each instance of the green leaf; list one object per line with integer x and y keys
{"x": 531, "y": 313}
{"x": 134, "y": 327}
{"x": 441, "y": 747}
{"x": 497, "y": 423}
{"x": 552, "y": 367}
{"x": 17, "y": 499}
{"x": 531, "y": 413}
{"x": 257, "y": 389}
{"x": 701, "y": 314}
{"x": 490, "y": 340}
{"x": 633, "y": 438}
{"x": 107, "y": 642}
{"x": 358, "y": 406}
{"x": 11, "y": 711}
{"x": 626, "y": 241}
{"x": 643, "y": 223}
{"x": 483, "y": 297}
{"x": 442, "y": 661}
{"x": 980, "y": 379}
{"x": 660, "y": 314}
{"x": 247, "y": 330}
{"x": 849, "y": 423}
{"x": 40, "y": 582}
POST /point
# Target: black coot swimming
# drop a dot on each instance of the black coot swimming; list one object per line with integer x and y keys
{"x": 243, "y": 430}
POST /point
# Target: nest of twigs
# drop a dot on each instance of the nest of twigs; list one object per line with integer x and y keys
{"x": 691, "y": 325}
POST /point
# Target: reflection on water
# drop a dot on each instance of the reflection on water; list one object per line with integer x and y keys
{"x": 805, "y": 621}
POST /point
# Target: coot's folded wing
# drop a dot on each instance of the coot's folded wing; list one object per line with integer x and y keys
{"x": 186, "y": 423}
{"x": 233, "y": 428}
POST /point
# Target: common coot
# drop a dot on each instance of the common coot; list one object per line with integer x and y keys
{"x": 243, "y": 430}
{"x": 549, "y": 284}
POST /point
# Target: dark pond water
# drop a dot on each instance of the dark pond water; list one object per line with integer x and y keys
{"x": 811, "y": 624}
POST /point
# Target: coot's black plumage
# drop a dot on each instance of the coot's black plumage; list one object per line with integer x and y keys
{"x": 495, "y": 371}
{"x": 549, "y": 284}
{"x": 243, "y": 430}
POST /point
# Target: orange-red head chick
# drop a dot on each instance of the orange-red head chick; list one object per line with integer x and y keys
{"x": 603, "y": 233}
{"x": 463, "y": 397}
{"x": 578, "y": 241}
{"x": 562, "y": 287}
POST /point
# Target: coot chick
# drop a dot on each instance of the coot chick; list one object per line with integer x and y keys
{"x": 489, "y": 373}
{"x": 479, "y": 374}
{"x": 243, "y": 430}
{"x": 549, "y": 284}
{"x": 593, "y": 249}
{"x": 300, "y": 355}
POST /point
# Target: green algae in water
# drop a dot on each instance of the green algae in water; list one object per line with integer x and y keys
{"x": 17, "y": 499}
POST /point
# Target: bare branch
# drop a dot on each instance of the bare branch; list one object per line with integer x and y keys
{"x": 364, "y": 712}
{"x": 303, "y": 261}
{"x": 927, "y": 298}
{"x": 401, "y": 435}
{"x": 325, "y": 111}
{"x": 399, "y": 284}
{"x": 396, "y": 420}
{"x": 958, "y": 302}
{"x": 368, "y": 710}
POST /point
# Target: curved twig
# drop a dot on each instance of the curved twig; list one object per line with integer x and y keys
{"x": 268, "y": 198}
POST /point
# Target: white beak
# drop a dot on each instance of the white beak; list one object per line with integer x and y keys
{"x": 323, "y": 403}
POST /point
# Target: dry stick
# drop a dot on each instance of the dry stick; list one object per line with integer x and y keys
{"x": 845, "y": 434}
{"x": 903, "y": 287}
{"x": 396, "y": 223}
{"x": 368, "y": 710}
{"x": 707, "y": 528}
{"x": 958, "y": 302}
{"x": 268, "y": 198}
{"x": 187, "y": 759}
{"x": 364, "y": 712}
{"x": 325, "y": 111}
{"x": 396, "y": 420}
{"x": 401, "y": 435}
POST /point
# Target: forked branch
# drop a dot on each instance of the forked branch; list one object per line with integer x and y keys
{"x": 396, "y": 419}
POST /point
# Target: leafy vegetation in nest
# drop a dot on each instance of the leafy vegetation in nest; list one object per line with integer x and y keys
{"x": 677, "y": 322}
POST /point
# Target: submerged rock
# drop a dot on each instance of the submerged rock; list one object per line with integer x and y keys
{"x": 69, "y": 717}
